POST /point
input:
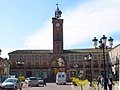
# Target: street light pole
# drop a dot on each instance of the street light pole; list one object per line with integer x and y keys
{"x": 90, "y": 58}
{"x": 20, "y": 63}
{"x": 105, "y": 81}
{"x": 102, "y": 46}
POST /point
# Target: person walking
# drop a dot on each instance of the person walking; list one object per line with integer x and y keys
{"x": 102, "y": 81}
{"x": 44, "y": 79}
{"x": 110, "y": 83}
{"x": 99, "y": 80}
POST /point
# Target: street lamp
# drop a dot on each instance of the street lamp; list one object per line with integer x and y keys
{"x": 89, "y": 58}
{"x": 102, "y": 45}
{"x": 20, "y": 63}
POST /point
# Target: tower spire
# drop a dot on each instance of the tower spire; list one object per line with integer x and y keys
{"x": 58, "y": 12}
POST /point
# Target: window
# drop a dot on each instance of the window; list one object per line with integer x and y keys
{"x": 33, "y": 57}
{"x": 44, "y": 64}
{"x": 79, "y": 56}
{"x": 59, "y": 75}
{"x": 95, "y": 65}
{"x": 29, "y": 64}
{"x": 36, "y": 73}
{"x": 87, "y": 66}
{"x": 36, "y": 64}
{"x": 71, "y": 56}
{"x": 95, "y": 57}
{"x": 44, "y": 74}
{"x": 13, "y": 64}
{"x": 40, "y": 57}
{"x": 36, "y": 57}
{"x": 29, "y": 57}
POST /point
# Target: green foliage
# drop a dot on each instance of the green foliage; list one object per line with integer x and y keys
{"x": 22, "y": 78}
{"x": 79, "y": 82}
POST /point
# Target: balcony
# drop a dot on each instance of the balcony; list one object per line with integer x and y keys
{"x": 30, "y": 67}
{"x": 17, "y": 67}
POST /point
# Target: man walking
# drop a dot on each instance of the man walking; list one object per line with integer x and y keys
{"x": 44, "y": 79}
{"x": 110, "y": 83}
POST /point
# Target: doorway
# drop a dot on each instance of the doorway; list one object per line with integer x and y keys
{"x": 57, "y": 65}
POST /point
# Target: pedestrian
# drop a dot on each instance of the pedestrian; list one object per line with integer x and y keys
{"x": 110, "y": 82}
{"x": 102, "y": 81}
{"x": 99, "y": 80}
{"x": 44, "y": 79}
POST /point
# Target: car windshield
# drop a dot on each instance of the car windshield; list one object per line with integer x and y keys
{"x": 59, "y": 75}
{"x": 11, "y": 80}
{"x": 33, "y": 78}
{"x": 39, "y": 78}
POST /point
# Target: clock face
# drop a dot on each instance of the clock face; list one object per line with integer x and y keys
{"x": 57, "y": 24}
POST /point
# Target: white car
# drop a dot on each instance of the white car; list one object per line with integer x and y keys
{"x": 12, "y": 83}
{"x": 61, "y": 78}
{"x": 33, "y": 82}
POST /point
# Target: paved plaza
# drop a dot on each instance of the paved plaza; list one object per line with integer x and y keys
{"x": 86, "y": 87}
{"x": 69, "y": 86}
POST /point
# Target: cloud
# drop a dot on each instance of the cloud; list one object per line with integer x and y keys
{"x": 41, "y": 39}
{"x": 4, "y": 52}
{"x": 95, "y": 18}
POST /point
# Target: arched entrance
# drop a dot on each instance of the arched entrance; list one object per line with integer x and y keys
{"x": 58, "y": 64}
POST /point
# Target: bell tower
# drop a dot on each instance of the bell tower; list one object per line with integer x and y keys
{"x": 57, "y": 32}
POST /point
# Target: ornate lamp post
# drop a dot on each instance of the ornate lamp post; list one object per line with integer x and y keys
{"x": 20, "y": 63}
{"x": 89, "y": 57}
{"x": 102, "y": 45}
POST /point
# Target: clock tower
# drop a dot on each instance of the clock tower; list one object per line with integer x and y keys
{"x": 57, "y": 32}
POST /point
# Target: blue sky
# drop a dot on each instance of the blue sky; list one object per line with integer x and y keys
{"x": 27, "y": 24}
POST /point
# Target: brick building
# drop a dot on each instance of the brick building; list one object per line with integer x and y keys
{"x": 49, "y": 62}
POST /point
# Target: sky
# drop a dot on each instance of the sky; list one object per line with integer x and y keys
{"x": 27, "y": 24}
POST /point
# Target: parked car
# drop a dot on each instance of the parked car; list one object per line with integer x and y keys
{"x": 61, "y": 78}
{"x": 12, "y": 83}
{"x": 33, "y": 82}
{"x": 40, "y": 81}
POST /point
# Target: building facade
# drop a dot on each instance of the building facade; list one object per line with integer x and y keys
{"x": 4, "y": 68}
{"x": 46, "y": 63}
{"x": 115, "y": 59}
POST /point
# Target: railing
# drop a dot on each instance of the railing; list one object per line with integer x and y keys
{"x": 17, "y": 67}
{"x": 29, "y": 67}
